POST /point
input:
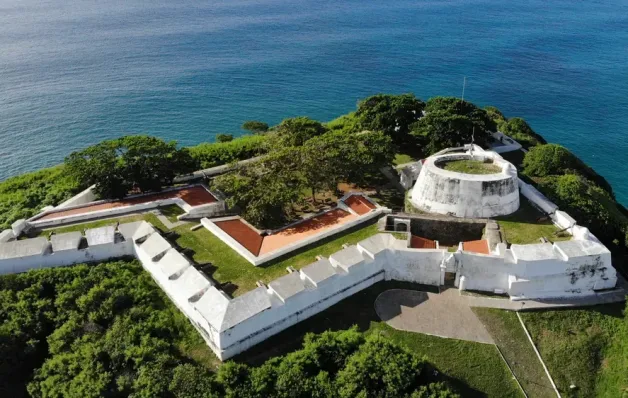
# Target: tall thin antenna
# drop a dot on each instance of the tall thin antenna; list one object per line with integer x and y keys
{"x": 464, "y": 84}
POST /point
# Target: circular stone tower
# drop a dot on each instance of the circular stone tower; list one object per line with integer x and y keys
{"x": 472, "y": 184}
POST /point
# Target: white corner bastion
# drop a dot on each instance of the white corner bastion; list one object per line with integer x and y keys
{"x": 466, "y": 195}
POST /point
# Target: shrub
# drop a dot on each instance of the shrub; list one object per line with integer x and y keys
{"x": 224, "y": 137}
{"x": 24, "y": 196}
{"x": 216, "y": 154}
{"x": 553, "y": 159}
{"x": 254, "y": 126}
{"x": 592, "y": 206}
{"x": 521, "y": 131}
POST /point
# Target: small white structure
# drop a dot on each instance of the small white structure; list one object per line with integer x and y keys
{"x": 466, "y": 195}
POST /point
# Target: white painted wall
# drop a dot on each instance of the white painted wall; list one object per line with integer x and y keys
{"x": 415, "y": 265}
{"x": 81, "y": 198}
{"x": 466, "y": 195}
{"x": 66, "y": 257}
{"x": 483, "y": 272}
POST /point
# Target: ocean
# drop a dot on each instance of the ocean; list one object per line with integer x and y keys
{"x": 73, "y": 73}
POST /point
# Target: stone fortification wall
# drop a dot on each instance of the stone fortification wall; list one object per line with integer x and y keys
{"x": 466, "y": 195}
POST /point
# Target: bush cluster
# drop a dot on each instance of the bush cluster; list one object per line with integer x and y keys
{"x": 23, "y": 196}
{"x": 108, "y": 331}
{"x": 219, "y": 153}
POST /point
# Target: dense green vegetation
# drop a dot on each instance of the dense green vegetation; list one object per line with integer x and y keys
{"x": 131, "y": 163}
{"x": 219, "y": 153}
{"x": 552, "y": 159}
{"x": 472, "y": 167}
{"x": 391, "y": 114}
{"x": 24, "y": 196}
{"x": 587, "y": 348}
{"x": 265, "y": 191}
{"x": 451, "y": 122}
{"x": 89, "y": 331}
{"x": 108, "y": 330}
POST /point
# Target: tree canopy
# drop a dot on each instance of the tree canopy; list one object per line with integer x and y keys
{"x": 295, "y": 131}
{"x": 451, "y": 122}
{"x": 136, "y": 162}
{"x": 107, "y": 330}
{"x": 390, "y": 114}
{"x": 265, "y": 190}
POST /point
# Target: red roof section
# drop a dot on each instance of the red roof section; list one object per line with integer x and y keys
{"x": 416, "y": 242}
{"x": 243, "y": 234}
{"x": 194, "y": 196}
{"x": 476, "y": 246}
{"x": 359, "y": 204}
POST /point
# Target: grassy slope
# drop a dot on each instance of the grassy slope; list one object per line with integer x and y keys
{"x": 527, "y": 226}
{"x": 474, "y": 369}
{"x": 511, "y": 339}
{"x": 584, "y": 347}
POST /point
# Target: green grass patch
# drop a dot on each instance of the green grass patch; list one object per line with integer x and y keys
{"x": 528, "y": 225}
{"x": 401, "y": 158}
{"x": 102, "y": 223}
{"x": 506, "y": 330}
{"x": 172, "y": 212}
{"x": 474, "y": 369}
{"x": 471, "y": 167}
{"x": 585, "y": 347}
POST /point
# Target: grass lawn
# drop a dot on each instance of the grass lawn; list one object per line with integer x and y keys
{"x": 171, "y": 212}
{"x": 472, "y": 167}
{"x": 506, "y": 330}
{"x": 228, "y": 267}
{"x": 528, "y": 225}
{"x": 401, "y": 158}
{"x": 474, "y": 369}
{"x": 102, "y": 223}
{"x": 585, "y": 347}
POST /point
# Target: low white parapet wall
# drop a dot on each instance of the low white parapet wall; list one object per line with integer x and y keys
{"x": 210, "y": 209}
{"x": 86, "y": 196}
{"x": 51, "y": 259}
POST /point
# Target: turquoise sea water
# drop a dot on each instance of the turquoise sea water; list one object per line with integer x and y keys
{"x": 74, "y": 73}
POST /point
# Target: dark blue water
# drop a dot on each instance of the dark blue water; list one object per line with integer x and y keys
{"x": 75, "y": 73}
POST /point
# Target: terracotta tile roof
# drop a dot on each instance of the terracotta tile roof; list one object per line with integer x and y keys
{"x": 359, "y": 204}
{"x": 416, "y": 242}
{"x": 194, "y": 196}
{"x": 476, "y": 246}
{"x": 243, "y": 234}
{"x": 258, "y": 245}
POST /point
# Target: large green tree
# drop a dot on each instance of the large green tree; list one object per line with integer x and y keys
{"x": 390, "y": 114}
{"x": 451, "y": 122}
{"x": 136, "y": 162}
{"x": 264, "y": 189}
{"x": 296, "y": 131}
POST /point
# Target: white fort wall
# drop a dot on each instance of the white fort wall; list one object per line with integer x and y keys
{"x": 206, "y": 210}
{"x": 231, "y": 326}
{"x": 466, "y": 195}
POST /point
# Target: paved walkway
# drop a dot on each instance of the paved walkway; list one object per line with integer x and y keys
{"x": 449, "y": 314}
{"x": 446, "y": 314}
